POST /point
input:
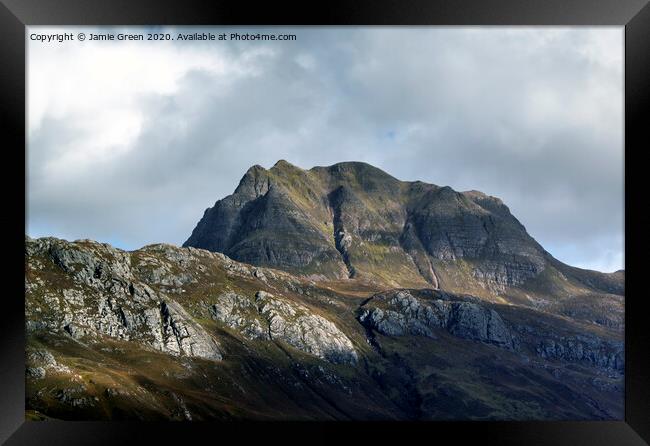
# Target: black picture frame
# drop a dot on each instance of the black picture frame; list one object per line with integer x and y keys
{"x": 634, "y": 15}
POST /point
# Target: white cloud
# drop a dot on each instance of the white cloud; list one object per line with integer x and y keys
{"x": 101, "y": 92}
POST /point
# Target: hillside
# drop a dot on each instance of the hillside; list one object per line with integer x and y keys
{"x": 183, "y": 333}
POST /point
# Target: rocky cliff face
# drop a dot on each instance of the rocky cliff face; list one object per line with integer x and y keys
{"x": 270, "y": 318}
{"x": 399, "y": 314}
{"x": 99, "y": 295}
{"x": 104, "y": 291}
{"x": 425, "y": 312}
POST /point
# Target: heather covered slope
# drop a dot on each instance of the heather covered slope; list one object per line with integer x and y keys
{"x": 183, "y": 333}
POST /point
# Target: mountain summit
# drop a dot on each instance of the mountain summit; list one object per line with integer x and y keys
{"x": 354, "y": 221}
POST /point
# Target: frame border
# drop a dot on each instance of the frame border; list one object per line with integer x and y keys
{"x": 15, "y": 15}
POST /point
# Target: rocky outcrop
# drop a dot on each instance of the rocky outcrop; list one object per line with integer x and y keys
{"x": 581, "y": 348}
{"x": 304, "y": 330}
{"x": 268, "y": 317}
{"x": 499, "y": 275}
{"x": 101, "y": 291}
{"x": 98, "y": 294}
{"x": 400, "y": 313}
{"x": 182, "y": 336}
{"x": 241, "y": 313}
{"x": 41, "y": 362}
{"x": 473, "y": 321}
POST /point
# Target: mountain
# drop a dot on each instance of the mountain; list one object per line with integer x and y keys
{"x": 354, "y": 221}
{"x": 332, "y": 293}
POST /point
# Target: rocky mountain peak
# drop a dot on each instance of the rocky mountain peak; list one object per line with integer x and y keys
{"x": 352, "y": 220}
{"x": 284, "y": 165}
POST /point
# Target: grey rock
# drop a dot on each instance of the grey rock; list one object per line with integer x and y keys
{"x": 400, "y": 313}
{"x": 299, "y": 327}
{"x": 267, "y": 317}
{"x": 41, "y": 357}
{"x": 72, "y": 396}
{"x": 239, "y": 312}
{"x": 591, "y": 350}
{"x": 472, "y": 321}
{"x": 260, "y": 275}
{"x": 182, "y": 336}
{"x": 35, "y": 372}
{"x": 108, "y": 299}
{"x": 39, "y": 362}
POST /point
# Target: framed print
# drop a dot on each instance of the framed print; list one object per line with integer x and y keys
{"x": 365, "y": 219}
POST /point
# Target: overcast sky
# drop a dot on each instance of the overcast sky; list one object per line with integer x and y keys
{"x": 129, "y": 142}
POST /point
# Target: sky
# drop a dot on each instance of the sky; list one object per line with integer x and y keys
{"x": 130, "y": 141}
